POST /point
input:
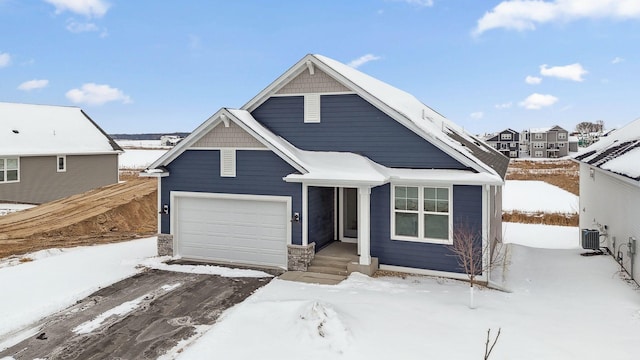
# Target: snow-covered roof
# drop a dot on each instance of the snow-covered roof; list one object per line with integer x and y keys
{"x": 539, "y": 130}
{"x": 31, "y": 130}
{"x": 404, "y": 108}
{"x": 619, "y": 152}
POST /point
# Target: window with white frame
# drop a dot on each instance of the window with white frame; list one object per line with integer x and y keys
{"x": 538, "y": 154}
{"x": 560, "y": 144}
{"x": 537, "y": 136}
{"x": 505, "y": 136}
{"x": 9, "y": 170}
{"x": 421, "y": 213}
{"x": 562, "y": 136}
{"x": 538, "y": 145}
{"x": 61, "y": 163}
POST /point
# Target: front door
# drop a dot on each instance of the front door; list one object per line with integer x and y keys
{"x": 349, "y": 214}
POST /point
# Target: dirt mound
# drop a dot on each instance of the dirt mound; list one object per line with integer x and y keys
{"x": 108, "y": 214}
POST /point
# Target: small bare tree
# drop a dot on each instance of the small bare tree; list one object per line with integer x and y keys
{"x": 487, "y": 349}
{"x": 474, "y": 255}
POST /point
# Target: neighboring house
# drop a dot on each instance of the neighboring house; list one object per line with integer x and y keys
{"x": 610, "y": 193}
{"x": 507, "y": 142}
{"x": 50, "y": 152}
{"x": 552, "y": 142}
{"x": 326, "y": 153}
{"x": 574, "y": 142}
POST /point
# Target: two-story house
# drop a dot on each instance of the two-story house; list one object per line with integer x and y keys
{"x": 550, "y": 142}
{"x": 507, "y": 142}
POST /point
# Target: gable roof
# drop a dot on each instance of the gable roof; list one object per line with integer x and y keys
{"x": 404, "y": 108}
{"x": 619, "y": 152}
{"x": 496, "y": 136}
{"x": 29, "y": 130}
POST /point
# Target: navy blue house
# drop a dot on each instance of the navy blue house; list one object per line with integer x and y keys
{"x": 326, "y": 153}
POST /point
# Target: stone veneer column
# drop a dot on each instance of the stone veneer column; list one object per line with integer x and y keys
{"x": 299, "y": 256}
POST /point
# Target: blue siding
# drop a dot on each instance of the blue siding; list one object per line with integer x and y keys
{"x": 321, "y": 211}
{"x": 351, "y": 124}
{"x": 257, "y": 173}
{"x": 467, "y": 208}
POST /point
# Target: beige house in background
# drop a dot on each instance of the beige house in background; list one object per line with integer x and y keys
{"x": 50, "y": 152}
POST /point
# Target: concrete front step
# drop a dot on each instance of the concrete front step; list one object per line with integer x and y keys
{"x": 338, "y": 264}
{"x": 328, "y": 269}
{"x": 312, "y": 278}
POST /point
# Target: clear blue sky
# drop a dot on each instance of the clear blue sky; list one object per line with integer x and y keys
{"x": 163, "y": 66}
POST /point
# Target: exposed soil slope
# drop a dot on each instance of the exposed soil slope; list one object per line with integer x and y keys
{"x": 108, "y": 214}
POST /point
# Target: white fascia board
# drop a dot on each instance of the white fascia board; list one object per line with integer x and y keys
{"x": 614, "y": 175}
{"x": 114, "y": 152}
{"x": 153, "y": 175}
{"x": 332, "y": 183}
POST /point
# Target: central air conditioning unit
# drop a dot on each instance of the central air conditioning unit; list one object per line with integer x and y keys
{"x": 590, "y": 239}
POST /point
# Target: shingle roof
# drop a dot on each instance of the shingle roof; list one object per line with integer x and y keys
{"x": 27, "y": 129}
{"x": 619, "y": 152}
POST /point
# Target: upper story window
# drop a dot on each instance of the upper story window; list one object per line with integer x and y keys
{"x": 505, "y": 136}
{"x": 421, "y": 213}
{"x": 9, "y": 170}
{"x": 312, "y": 108}
{"x": 61, "y": 163}
{"x": 537, "y": 136}
{"x": 562, "y": 136}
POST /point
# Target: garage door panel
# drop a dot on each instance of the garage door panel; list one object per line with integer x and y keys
{"x": 251, "y": 231}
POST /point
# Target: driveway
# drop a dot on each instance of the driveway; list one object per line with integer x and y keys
{"x": 141, "y": 317}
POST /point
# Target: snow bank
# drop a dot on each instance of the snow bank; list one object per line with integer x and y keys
{"x": 541, "y": 236}
{"x": 537, "y": 196}
{"x": 139, "y": 159}
{"x": 159, "y": 264}
{"x": 6, "y": 209}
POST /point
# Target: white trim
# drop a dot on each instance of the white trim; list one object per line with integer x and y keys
{"x": 445, "y": 274}
{"x": 4, "y": 170}
{"x": 153, "y": 174}
{"x": 486, "y": 210}
{"x": 341, "y": 236}
{"x": 364, "y": 226}
{"x": 228, "y": 162}
{"x": 67, "y": 153}
{"x": 237, "y": 149}
{"x": 348, "y": 92}
{"x": 64, "y": 163}
{"x": 174, "y": 195}
{"x": 305, "y": 212}
{"x": 159, "y": 200}
{"x": 421, "y": 213}
{"x": 335, "y": 214}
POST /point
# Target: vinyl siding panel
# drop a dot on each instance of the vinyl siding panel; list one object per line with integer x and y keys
{"x": 321, "y": 215}
{"x": 40, "y": 181}
{"x": 467, "y": 207}
{"x": 257, "y": 172}
{"x": 609, "y": 201}
{"x": 349, "y": 123}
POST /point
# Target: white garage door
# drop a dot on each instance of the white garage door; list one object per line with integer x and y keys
{"x": 232, "y": 228}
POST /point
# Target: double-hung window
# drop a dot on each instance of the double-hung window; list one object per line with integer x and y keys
{"x": 9, "y": 170}
{"x": 421, "y": 213}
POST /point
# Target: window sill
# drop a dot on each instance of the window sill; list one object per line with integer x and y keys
{"x": 422, "y": 240}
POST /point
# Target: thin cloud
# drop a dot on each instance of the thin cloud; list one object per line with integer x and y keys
{"x": 522, "y": 15}
{"x": 572, "y": 72}
{"x": 88, "y": 8}
{"x": 5, "y": 59}
{"x": 95, "y": 94}
{"x": 532, "y": 80}
{"x": 537, "y": 101}
{"x": 33, "y": 85}
{"x": 76, "y": 27}
{"x": 425, "y": 3}
{"x": 503, "y": 106}
{"x": 363, "y": 60}
{"x": 617, "y": 60}
{"x": 477, "y": 115}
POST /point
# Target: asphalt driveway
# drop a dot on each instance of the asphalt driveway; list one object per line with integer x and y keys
{"x": 141, "y": 317}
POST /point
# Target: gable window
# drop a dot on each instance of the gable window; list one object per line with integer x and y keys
{"x": 505, "y": 136}
{"x": 537, "y": 136}
{"x": 421, "y": 213}
{"x": 312, "y": 108}
{"x": 9, "y": 170}
{"x": 228, "y": 162}
{"x": 61, "y": 163}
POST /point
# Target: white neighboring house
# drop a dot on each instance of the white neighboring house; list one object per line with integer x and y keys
{"x": 50, "y": 152}
{"x": 610, "y": 193}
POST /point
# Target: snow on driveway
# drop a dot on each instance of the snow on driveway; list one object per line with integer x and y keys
{"x": 32, "y": 290}
{"x": 536, "y": 196}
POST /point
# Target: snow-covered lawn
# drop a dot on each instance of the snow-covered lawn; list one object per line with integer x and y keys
{"x": 141, "y": 144}
{"x": 138, "y": 159}
{"x": 536, "y": 196}
{"x": 10, "y": 208}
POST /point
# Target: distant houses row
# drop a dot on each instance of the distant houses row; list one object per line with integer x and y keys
{"x": 549, "y": 142}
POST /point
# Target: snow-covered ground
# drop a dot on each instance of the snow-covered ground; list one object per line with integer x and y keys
{"x": 10, "y": 208}
{"x": 141, "y": 144}
{"x": 534, "y": 196}
{"x": 138, "y": 159}
{"x": 561, "y": 306}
